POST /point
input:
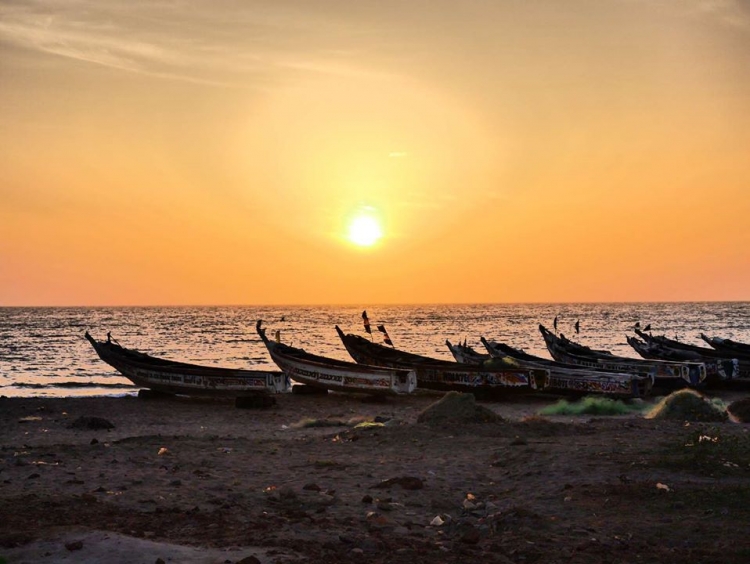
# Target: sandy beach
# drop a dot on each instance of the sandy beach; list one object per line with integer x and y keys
{"x": 196, "y": 481}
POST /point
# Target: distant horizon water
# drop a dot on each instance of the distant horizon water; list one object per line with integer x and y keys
{"x": 43, "y": 352}
{"x": 373, "y": 305}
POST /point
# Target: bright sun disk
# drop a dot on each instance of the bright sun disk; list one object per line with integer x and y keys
{"x": 364, "y": 230}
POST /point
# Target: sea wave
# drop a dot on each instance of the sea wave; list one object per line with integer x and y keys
{"x": 38, "y": 386}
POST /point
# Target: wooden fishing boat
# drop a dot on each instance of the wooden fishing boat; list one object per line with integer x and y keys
{"x": 718, "y": 366}
{"x": 181, "y": 378}
{"x": 575, "y": 379}
{"x": 337, "y": 375}
{"x": 436, "y": 374}
{"x": 738, "y": 350}
{"x": 664, "y": 373}
{"x": 466, "y": 354}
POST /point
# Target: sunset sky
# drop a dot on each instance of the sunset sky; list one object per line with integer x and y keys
{"x": 216, "y": 152}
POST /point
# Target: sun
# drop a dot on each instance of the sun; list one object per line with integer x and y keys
{"x": 364, "y": 230}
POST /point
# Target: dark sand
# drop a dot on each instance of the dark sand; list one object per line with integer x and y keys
{"x": 201, "y": 481}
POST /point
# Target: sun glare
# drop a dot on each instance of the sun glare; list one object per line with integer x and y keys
{"x": 364, "y": 230}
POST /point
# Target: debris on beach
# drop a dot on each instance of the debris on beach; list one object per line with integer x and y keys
{"x": 455, "y": 407}
{"x": 29, "y": 418}
{"x": 688, "y": 405}
{"x": 357, "y": 421}
{"x": 438, "y": 521}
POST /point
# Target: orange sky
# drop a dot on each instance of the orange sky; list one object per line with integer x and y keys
{"x": 213, "y": 152}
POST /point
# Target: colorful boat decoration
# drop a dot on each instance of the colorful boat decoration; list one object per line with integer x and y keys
{"x": 181, "y": 378}
{"x": 337, "y": 375}
{"x": 574, "y": 379}
{"x": 665, "y": 374}
{"x": 719, "y": 365}
{"x": 436, "y": 374}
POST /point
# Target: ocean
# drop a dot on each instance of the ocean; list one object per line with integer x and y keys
{"x": 43, "y": 351}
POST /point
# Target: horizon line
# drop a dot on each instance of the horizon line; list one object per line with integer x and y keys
{"x": 360, "y": 304}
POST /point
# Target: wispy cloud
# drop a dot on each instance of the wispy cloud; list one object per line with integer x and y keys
{"x": 735, "y": 13}
{"x": 198, "y": 41}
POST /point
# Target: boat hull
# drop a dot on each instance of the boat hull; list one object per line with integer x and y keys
{"x": 668, "y": 374}
{"x": 719, "y": 365}
{"x": 434, "y": 374}
{"x": 578, "y": 379}
{"x": 181, "y": 378}
{"x": 335, "y": 375}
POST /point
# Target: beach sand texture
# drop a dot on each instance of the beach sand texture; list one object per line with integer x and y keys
{"x": 185, "y": 480}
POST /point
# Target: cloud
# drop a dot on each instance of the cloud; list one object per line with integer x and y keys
{"x": 734, "y": 13}
{"x": 201, "y": 41}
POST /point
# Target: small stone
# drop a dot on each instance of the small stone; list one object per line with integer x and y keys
{"x": 33, "y": 476}
{"x": 75, "y": 545}
{"x": 92, "y": 424}
{"x": 406, "y": 482}
{"x": 311, "y": 487}
{"x": 94, "y": 442}
{"x": 287, "y": 493}
{"x": 471, "y": 536}
{"x": 249, "y": 560}
{"x": 367, "y": 499}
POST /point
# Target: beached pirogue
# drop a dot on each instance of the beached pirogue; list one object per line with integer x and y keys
{"x": 720, "y": 365}
{"x": 337, "y": 375}
{"x": 250, "y": 387}
{"x": 665, "y": 374}
{"x": 736, "y": 349}
{"x": 436, "y": 374}
{"x": 570, "y": 378}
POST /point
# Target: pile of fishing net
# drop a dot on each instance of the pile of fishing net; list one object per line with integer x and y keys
{"x": 689, "y": 405}
{"x": 457, "y": 408}
{"x": 740, "y": 410}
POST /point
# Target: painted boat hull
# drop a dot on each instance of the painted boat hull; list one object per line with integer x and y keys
{"x": 442, "y": 375}
{"x": 336, "y": 375}
{"x": 578, "y": 379}
{"x": 171, "y": 377}
{"x": 719, "y": 365}
{"x": 670, "y": 374}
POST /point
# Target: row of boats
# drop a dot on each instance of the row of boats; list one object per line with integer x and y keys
{"x": 502, "y": 369}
